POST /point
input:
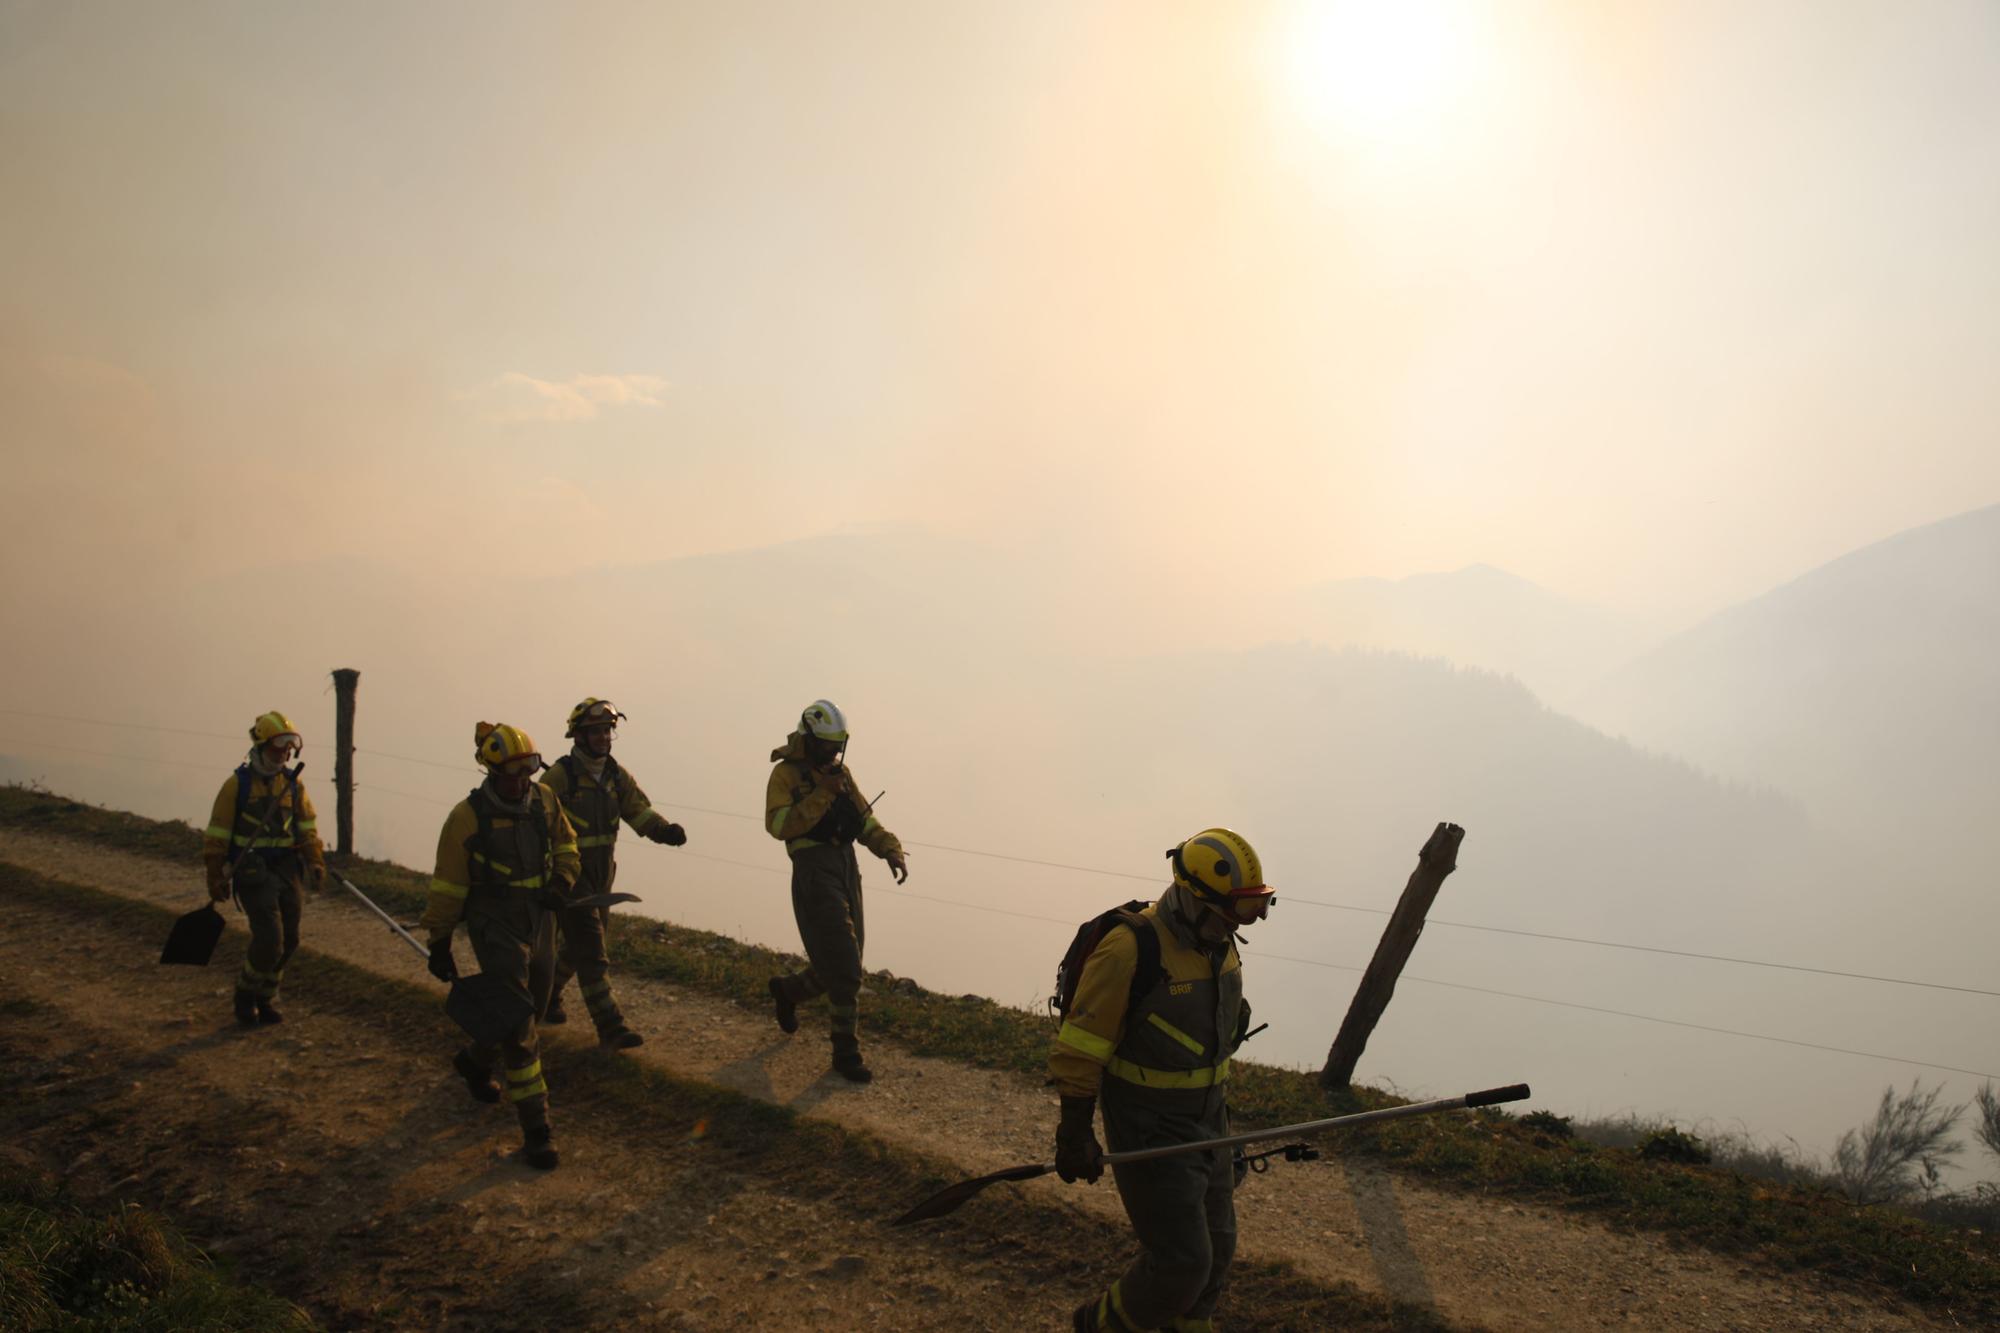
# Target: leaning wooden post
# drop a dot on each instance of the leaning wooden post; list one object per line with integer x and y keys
{"x": 1438, "y": 858}
{"x": 344, "y": 682}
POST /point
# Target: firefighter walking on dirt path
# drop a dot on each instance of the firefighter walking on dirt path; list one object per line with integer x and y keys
{"x": 1154, "y": 1040}
{"x": 262, "y": 846}
{"x": 814, "y": 807}
{"x": 506, "y": 862}
{"x": 596, "y": 793}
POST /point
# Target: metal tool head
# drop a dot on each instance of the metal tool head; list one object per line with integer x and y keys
{"x": 604, "y": 900}
{"x": 487, "y": 1008}
{"x": 192, "y": 940}
{"x": 950, "y": 1197}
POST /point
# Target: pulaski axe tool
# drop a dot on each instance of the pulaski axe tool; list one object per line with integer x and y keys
{"x": 486, "y": 1007}
{"x": 949, "y": 1198}
{"x": 192, "y": 940}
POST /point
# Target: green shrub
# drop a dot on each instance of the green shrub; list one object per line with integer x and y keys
{"x": 1671, "y": 1145}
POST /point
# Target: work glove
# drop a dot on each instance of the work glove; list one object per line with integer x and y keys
{"x": 1078, "y": 1156}
{"x": 673, "y": 835}
{"x": 898, "y": 866}
{"x": 315, "y": 877}
{"x": 442, "y": 965}
{"x": 555, "y": 897}
{"x": 218, "y": 883}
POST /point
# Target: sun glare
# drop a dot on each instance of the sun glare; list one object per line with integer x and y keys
{"x": 1378, "y": 70}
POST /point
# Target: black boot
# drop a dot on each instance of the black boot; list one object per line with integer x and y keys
{"x": 781, "y": 1002}
{"x": 267, "y": 1012}
{"x": 555, "y": 1016}
{"x": 246, "y": 1009}
{"x": 538, "y": 1148}
{"x": 620, "y": 1038}
{"x": 847, "y": 1059}
{"x": 479, "y": 1082}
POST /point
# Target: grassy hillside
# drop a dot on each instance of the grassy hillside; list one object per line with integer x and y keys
{"x": 64, "y": 1267}
{"x": 1489, "y": 1152}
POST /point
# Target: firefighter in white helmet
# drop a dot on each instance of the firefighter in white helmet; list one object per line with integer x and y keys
{"x": 813, "y": 805}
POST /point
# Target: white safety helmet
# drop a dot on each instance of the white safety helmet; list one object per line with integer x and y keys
{"x": 824, "y": 720}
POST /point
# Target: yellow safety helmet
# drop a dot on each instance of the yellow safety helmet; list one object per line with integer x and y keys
{"x": 824, "y": 719}
{"x": 593, "y": 712}
{"x": 501, "y": 746}
{"x": 270, "y": 726}
{"x": 1221, "y": 869}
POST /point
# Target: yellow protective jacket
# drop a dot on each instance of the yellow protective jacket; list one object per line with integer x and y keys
{"x": 460, "y": 865}
{"x": 1175, "y": 1038}
{"x": 802, "y": 813}
{"x": 595, "y": 806}
{"x": 232, "y": 820}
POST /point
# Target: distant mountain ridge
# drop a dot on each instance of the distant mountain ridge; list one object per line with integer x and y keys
{"x": 1477, "y": 616}
{"x": 1869, "y": 687}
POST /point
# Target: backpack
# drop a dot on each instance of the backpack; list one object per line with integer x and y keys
{"x": 1088, "y": 936}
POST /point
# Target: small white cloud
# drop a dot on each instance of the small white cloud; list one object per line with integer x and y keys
{"x": 518, "y": 397}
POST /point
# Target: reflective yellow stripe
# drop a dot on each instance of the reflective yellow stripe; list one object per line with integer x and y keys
{"x": 1096, "y": 1047}
{"x": 1206, "y": 1076}
{"x": 562, "y": 847}
{"x": 777, "y": 820}
{"x": 217, "y": 832}
{"x": 644, "y": 813}
{"x": 526, "y": 1074}
{"x": 522, "y": 1093}
{"x": 869, "y": 825}
{"x": 444, "y": 888}
{"x": 599, "y": 988}
{"x": 308, "y": 826}
{"x": 492, "y": 865}
{"x": 1178, "y": 1035}
{"x": 596, "y": 840}
{"x": 1117, "y": 1299}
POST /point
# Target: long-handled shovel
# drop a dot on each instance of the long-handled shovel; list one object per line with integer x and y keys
{"x": 487, "y": 1008}
{"x": 948, "y": 1199}
{"x": 192, "y": 940}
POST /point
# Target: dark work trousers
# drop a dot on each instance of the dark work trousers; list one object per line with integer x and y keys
{"x": 515, "y": 941}
{"x": 272, "y": 899}
{"x": 826, "y": 902}
{"x": 1182, "y": 1208}
{"x": 583, "y": 955}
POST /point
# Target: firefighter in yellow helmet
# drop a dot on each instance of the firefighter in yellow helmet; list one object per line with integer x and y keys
{"x": 596, "y": 793}
{"x": 506, "y": 862}
{"x": 262, "y": 846}
{"x": 1155, "y": 1045}
{"x": 813, "y": 805}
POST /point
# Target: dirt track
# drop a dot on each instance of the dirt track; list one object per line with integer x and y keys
{"x": 348, "y": 1133}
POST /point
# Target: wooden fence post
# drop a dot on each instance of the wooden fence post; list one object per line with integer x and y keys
{"x": 345, "y": 681}
{"x": 1437, "y": 859}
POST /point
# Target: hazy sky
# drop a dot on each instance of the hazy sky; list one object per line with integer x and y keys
{"x": 1653, "y": 304}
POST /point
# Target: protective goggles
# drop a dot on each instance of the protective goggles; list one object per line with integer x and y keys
{"x": 1248, "y": 905}
{"x": 521, "y": 766}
